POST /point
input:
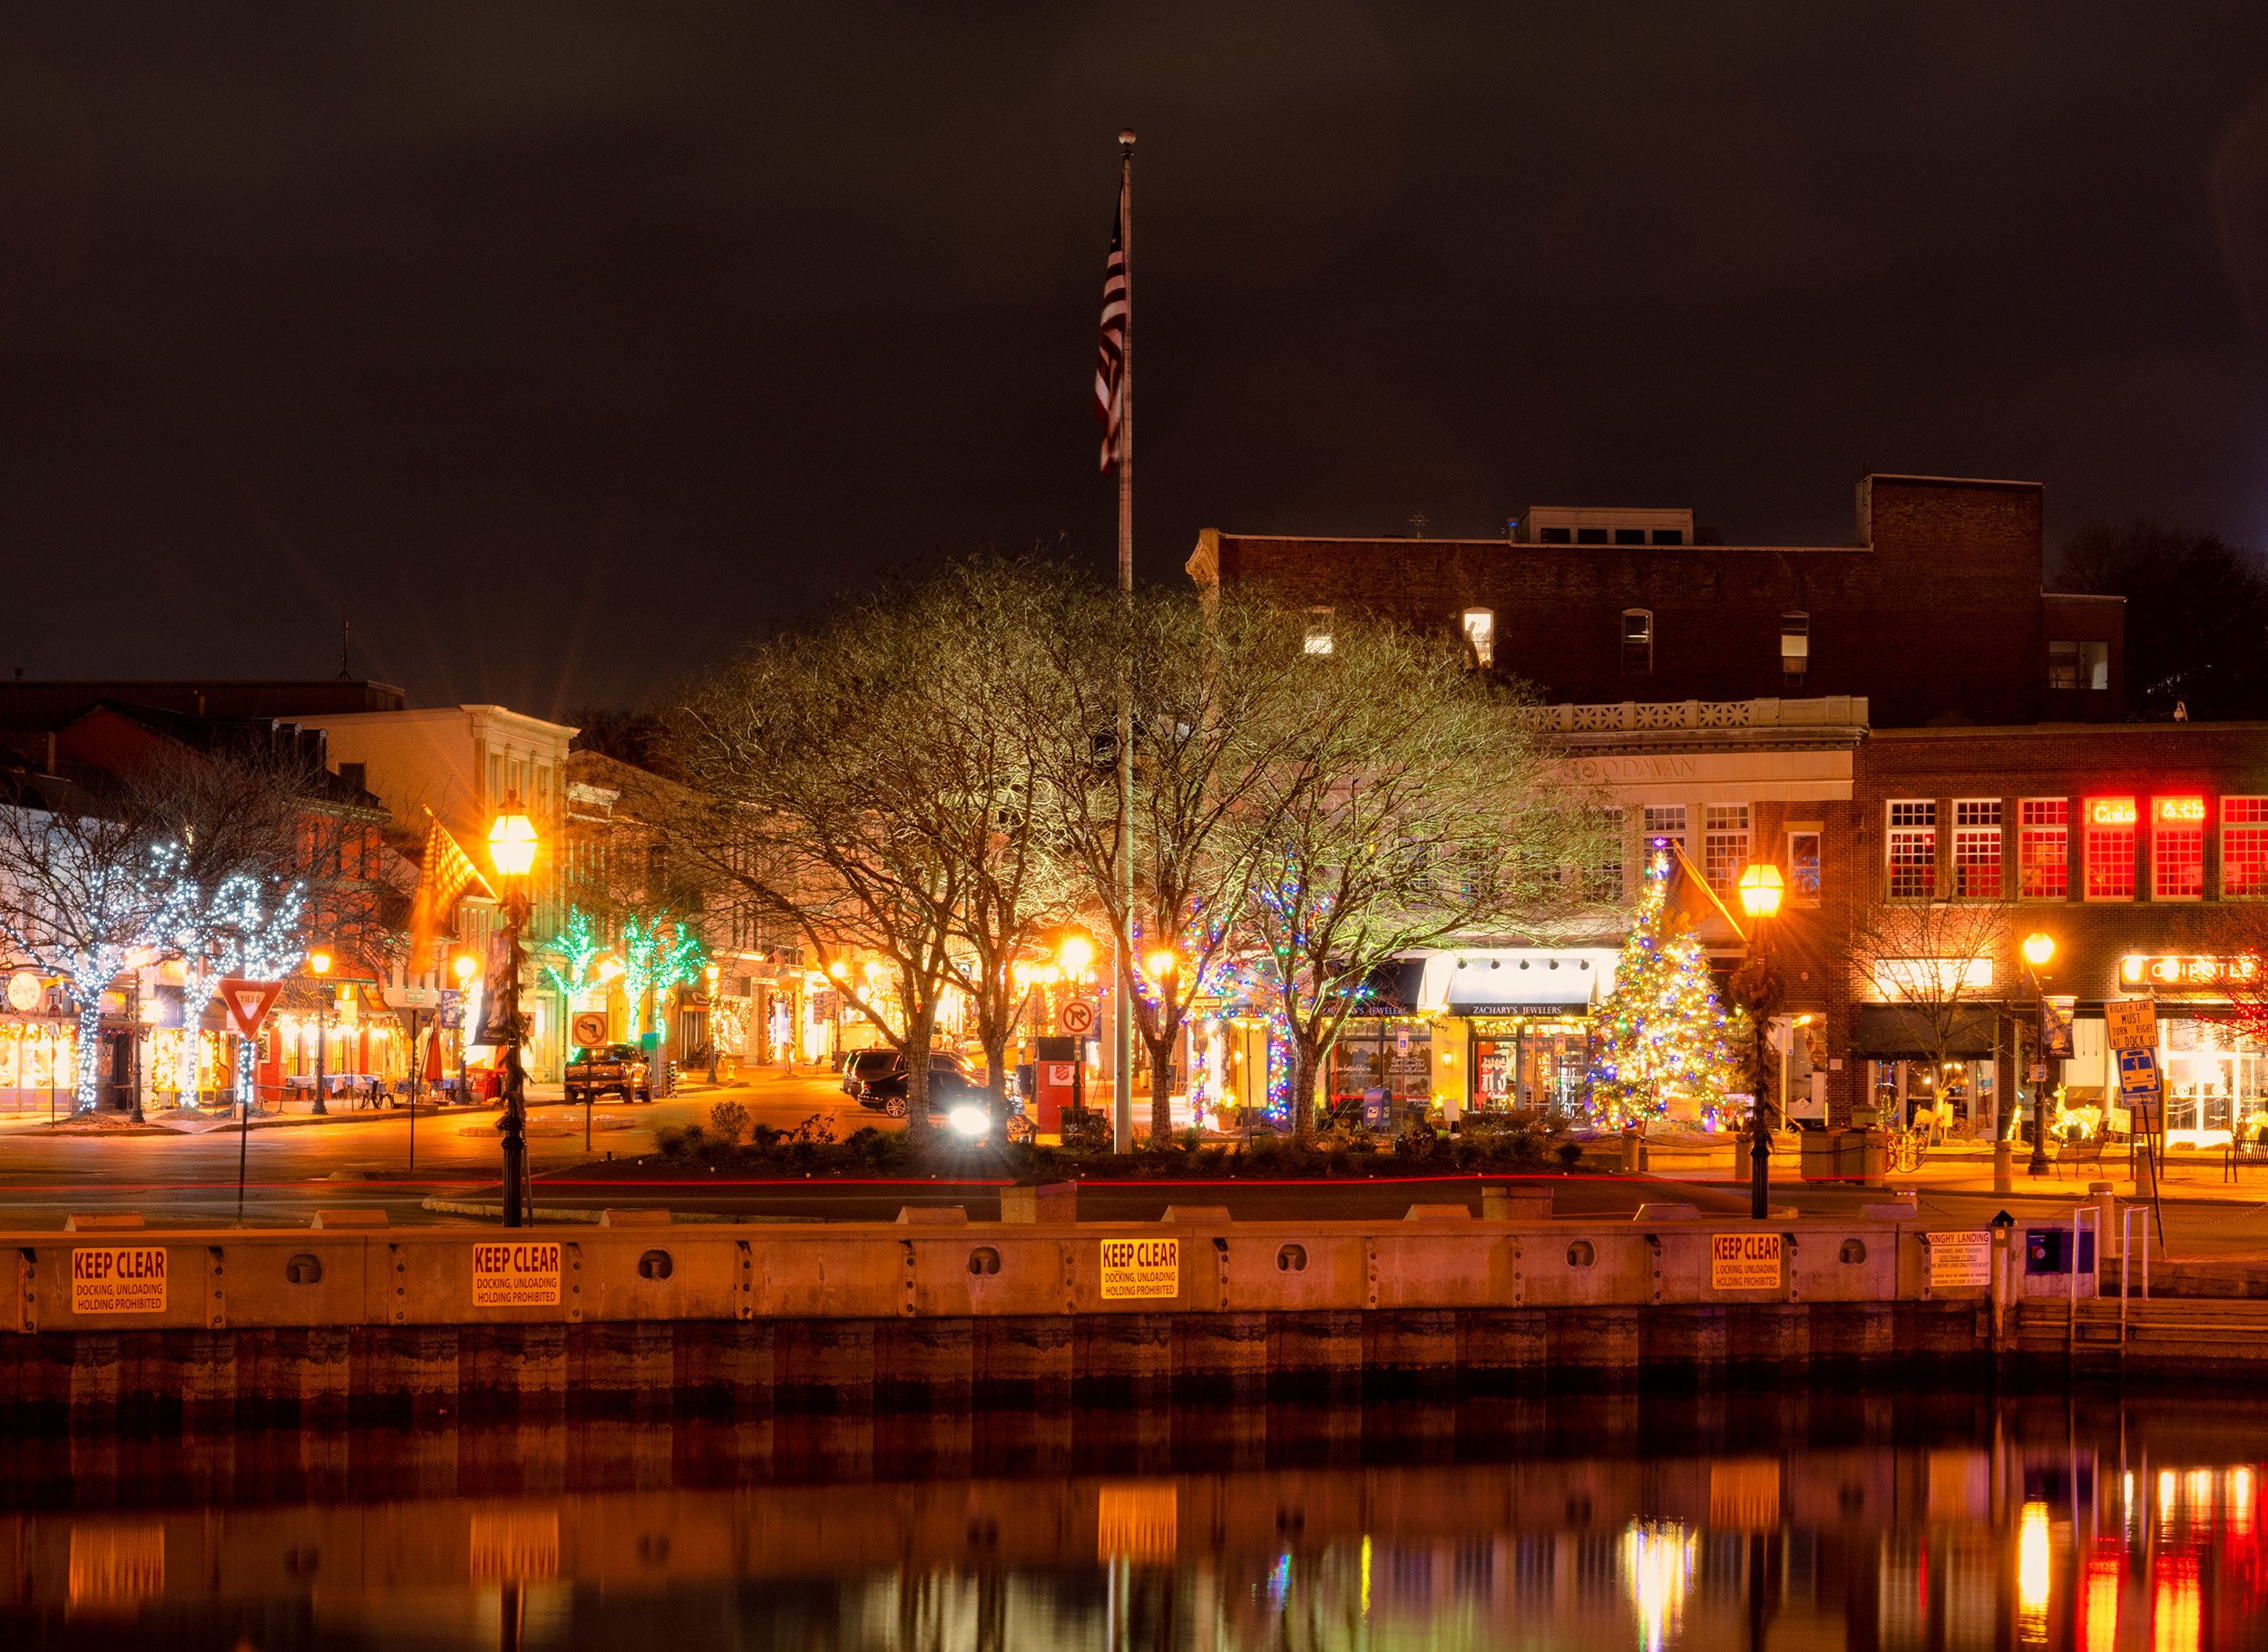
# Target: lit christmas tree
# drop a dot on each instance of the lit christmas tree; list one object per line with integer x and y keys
{"x": 1663, "y": 1041}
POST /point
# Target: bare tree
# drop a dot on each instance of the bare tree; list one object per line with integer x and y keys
{"x": 1409, "y": 801}
{"x": 1211, "y": 692}
{"x": 1937, "y": 961}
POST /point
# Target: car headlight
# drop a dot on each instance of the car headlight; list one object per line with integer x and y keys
{"x": 970, "y": 1120}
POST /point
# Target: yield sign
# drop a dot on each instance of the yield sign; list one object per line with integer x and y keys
{"x": 249, "y": 1001}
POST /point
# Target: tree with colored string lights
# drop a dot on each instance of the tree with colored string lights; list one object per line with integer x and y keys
{"x": 1663, "y": 1038}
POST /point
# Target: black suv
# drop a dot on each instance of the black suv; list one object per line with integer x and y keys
{"x": 862, "y": 1067}
{"x": 885, "y": 1089}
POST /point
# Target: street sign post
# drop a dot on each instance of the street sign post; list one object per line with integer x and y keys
{"x": 2130, "y": 1024}
{"x": 2138, "y": 1087}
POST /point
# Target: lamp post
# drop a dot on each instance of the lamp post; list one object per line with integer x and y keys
{"x": 2038, "y": 948}
{"x": 1761, "y": 887}
{"x": 462, "y": 967}
{"x": 838, "y": 973}
{"x": 512, "y": 844}
{"x": 320, "y": 965}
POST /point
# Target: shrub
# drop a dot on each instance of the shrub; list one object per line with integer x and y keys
{"x": 1571, "y": 1153}
{"x": 728, "y": 1121}
{"x": 680, "y": 1141}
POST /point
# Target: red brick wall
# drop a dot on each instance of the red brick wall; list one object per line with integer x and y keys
{"x": 1939, "y": 613}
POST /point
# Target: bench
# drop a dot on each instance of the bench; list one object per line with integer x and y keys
{"x": 2238, "y": 1154}
{"x": 2087, "y": 1150}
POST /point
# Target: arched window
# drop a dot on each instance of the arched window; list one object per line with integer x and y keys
{"x": 1480, "y": 625}
{"x": 1637, "y": 641}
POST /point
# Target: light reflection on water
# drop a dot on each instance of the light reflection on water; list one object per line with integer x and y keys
{"x": 1903, "y": 1523}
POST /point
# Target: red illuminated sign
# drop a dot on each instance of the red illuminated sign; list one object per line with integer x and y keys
{"x": 2111, "y": 811}
{"x": 2181, "y": 808}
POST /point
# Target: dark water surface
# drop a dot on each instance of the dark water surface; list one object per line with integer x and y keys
{"x": 1883, "y": 1521}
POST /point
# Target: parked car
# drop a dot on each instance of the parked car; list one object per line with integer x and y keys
{"x": 862, "y": 1067}
{"x": 958, "y": 1101}
{"x": 620, "y": 1069}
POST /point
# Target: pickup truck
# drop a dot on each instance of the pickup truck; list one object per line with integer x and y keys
{"x": 619, "y": 1067}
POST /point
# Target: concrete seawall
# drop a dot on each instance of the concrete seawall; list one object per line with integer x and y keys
{"x": 733, "y": 1318}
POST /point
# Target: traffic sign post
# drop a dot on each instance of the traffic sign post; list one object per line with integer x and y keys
{"x": 249, "y": 1001}
{"x": 1077, "y": 1016}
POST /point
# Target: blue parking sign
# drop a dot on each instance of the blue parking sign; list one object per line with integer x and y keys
{"x": 2138, "y": 1075}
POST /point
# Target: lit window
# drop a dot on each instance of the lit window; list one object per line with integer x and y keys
{"x": 1724, "y": 845}
{"x": 1665, "y": 820}
{"x": 2078, "y": 665}
{"x": 1913, "y": 851}
{"x": 1796, "y": 648}
{"x": 2044, "y": 848}
{"x": 1802, "y": 865}
{"x": 1977, "y": 850}
{"x": 2177, "y": 848}
{"x": 1318, "y": 630}
{"x": 2243, "y": 848}
{"x": 1638, "y": 640}
{"x": 2110, "y": 848}
{"x": 1481, "y": 636}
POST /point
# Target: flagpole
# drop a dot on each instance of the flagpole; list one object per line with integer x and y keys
{"x": 1123, "y": 1085}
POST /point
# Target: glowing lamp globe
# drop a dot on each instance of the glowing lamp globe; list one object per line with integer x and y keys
{"x": 1162, "y": 963}
{"x": 511, "y": 844}
{"x": 1760, "y": 890}
{"x": 1077, "y": 953}
{"x": 465, "y": 966}
{"x": 2038, "y": 948}
{"x": 319, "y": 961}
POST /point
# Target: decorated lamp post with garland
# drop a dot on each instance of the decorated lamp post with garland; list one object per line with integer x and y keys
{"x": 1663, "y": 1037}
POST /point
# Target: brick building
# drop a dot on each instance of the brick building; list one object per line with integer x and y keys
{"x": 1935, "y": 612}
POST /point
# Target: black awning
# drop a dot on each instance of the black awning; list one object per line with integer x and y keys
{"x": 1391, "y": 989}
{"x": 1896, "y": 1033}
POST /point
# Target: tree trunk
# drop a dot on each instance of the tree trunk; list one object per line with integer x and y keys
{"x": 1306, "y": 1069}
{"x": 996, "y": 1066}
{"x": 1160, "y": 1084}
{"x": 86, "y": 1092}
{"x": 919, "y": 1030}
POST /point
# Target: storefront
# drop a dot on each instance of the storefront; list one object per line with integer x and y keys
{"x": 1511, "y": 1027}
{"x": 1930, "y": 1069}
{"x": 2214, "y": 1073}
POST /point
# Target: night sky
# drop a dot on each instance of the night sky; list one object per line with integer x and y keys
{"x": 567, "y": 347}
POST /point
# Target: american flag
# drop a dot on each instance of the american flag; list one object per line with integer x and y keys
{"x": 1111, "y": 360}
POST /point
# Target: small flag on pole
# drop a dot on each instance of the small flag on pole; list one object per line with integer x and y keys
{"x": 1111, "y": 362}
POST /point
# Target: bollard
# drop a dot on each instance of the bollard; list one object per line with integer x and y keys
{"x": 2003, "y": 1168}
{"x": 2105, "y": 1198}
{"x": 1633, "y": 1149}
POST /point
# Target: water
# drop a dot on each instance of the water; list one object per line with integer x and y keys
{"x": 1888, "y": 1523}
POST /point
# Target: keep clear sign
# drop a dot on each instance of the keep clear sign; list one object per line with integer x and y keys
{"x": 118, "y": 1279}
{"x": 521, "y": 1275}
{"x": 1963, "y": 1257}
{"x": 1743, "y": 1261}
{"x": 1149, "y": 1269}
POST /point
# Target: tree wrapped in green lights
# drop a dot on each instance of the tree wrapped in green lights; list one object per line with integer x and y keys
{"x": 658, "y": 957}
{"x": 1663, "y": 1038}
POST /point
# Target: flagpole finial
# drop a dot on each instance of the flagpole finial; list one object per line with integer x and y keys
{"x": 1126, "y": 138}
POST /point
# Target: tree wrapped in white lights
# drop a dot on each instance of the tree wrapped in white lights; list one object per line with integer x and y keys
{"x": 235, "y": 928}
{"x": 80, "y": 895}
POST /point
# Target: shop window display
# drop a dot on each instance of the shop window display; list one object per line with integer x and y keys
{"x": 2216, "y": 1078}
{"x": 1521, "y": 1064}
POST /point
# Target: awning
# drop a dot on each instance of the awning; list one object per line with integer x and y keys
{"x": 1540, "y": 983}
{"x": 1391, "y": 989}
{"x": 1896, "y": 1033}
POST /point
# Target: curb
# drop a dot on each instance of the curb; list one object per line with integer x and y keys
{"x": 574, "y": 1213}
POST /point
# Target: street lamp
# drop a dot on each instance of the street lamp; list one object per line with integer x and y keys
{"x": 1761, "y": 887}
{"x": 463, "y": 966}
{"x": 1077, "y": 955}
{"x": 319, "y": 962}
{"x": 512, "y": 844}
{"x": 2038, "y": 948}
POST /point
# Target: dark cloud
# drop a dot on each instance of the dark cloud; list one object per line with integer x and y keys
{"x": 566, "y": 346}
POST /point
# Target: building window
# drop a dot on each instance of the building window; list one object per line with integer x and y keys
{"x": 1913, "y": 851}
{"x": 1629, "y": 537}
{"x": 1664, "y": 820}
{"x": 1724, "y": 845}
{"x": 1638, "y": 640}
{"x": 2110, "y": 848}
{"x": 1318, "y": 630}
{"x": 2044, "y": 848}
{"x": 1590, "y": 536}
{"x": 1481, "y": 636}
{"x": 2243, "y": 848}
{"x": 1605, "y": 882}
{"x": 1802, "y": 863}
{"x": 1977, "y": 850}
{"x": 2177, "y": 848}
{"x": 2078, "y": 665}
{"x": 1669, "y": 537}
{"x": 1555, "y": 536}
{"x": 1796, "y": 648}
